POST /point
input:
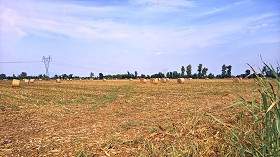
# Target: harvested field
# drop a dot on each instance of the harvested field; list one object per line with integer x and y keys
{"x": 118, "y": 117}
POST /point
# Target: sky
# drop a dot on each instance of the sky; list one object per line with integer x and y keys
{"x": 147, "y": 36}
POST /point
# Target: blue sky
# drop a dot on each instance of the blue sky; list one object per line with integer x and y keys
{"x": 148, "y": 36}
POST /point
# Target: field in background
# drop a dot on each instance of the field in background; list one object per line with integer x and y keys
{"x": 118, "y": 117}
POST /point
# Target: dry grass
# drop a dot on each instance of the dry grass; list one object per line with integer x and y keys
{"x": 118, "y": 118}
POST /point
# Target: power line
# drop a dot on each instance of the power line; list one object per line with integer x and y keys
{"x": 23, "y": 62}
{"x": 72, "y": 65}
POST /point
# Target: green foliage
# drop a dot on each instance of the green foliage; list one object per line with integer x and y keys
{"x": 258, "y": 134}
{"x": 189, "y": 71}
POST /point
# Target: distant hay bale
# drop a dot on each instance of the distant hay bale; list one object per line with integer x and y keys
{"x": 181, "y": 80}
{"x": 154, "y": 81}
{"x": 130, "y": 79}
{"x": 26, "y": 80}
{"x": 15, "y": 83}
{"x": 237, "y": 80}
{"x": 31, "y": 80}
{"x": 58, "y": 80}
{"x": 142, "y": 80}
{"x": 163, "y": 80}
{"x": 206, "y": 78}
{"x": 167, "y": 79}
{"x": 40, "y": 79}
{"x": 104, "y": 80}
{"x": 189, "y": 78}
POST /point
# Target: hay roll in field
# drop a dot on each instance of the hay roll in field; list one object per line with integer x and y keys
{"x": 181, "y": 80}
{"x": 167, "y": 79}
{"x": 104, "y": 80}
{"x": 15, "y": 83}
{"x": 142, "y": 80}
{"x": 26, "y": 80}
{"x": 163, "y": 80}
{"x": 154, "y": 81}
{"x": 189, "y": 78}
{"x": 130, "y": 79}
{"x": 236, "y": 80}
{"x": 58, "y": 81}
{"x": 31, "y": 80}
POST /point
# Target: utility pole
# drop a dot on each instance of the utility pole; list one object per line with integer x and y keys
{"x": 46, "y": 61}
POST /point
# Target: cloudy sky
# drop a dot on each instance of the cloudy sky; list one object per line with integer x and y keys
{"x": 116, "y": 36}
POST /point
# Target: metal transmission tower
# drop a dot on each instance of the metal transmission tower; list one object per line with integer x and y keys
{"x": 46, "y": 61}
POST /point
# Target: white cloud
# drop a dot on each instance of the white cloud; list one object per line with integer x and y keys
{"x": 158, "y": 53}
{"x": 10, "y": 31}
{"x": 174, "y": 3}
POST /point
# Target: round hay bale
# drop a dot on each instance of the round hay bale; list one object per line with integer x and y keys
{"x": 15, "y": 83}
{"x": 130, "y": 79}
{"x": 154, "y": 81}
{"x": 104, "y": 80}
{"x": 181, "y": 80}
{"x": 189, "y": 78}
{"x": 163, "y": 80}
{"x": 237, "y": 80}
{"x": 58, "y": 80}
{"x": 142, "y": 80}
{"x": 31, "y": 80}
{"x": 206, "y": 78}
{"x": 167, "y": 79}
{"x": 26, "y": 80}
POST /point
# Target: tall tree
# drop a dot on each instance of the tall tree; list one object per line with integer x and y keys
{"x": 228, "y": 74}
{"x": 183, "y": 71}
{"x": 91, "y": 75}
{"x": 171, "y": 75}
{"x": 199, "y": 69}
{"x": 204, "y": 72}
{"x": 224, "y": 68}
{"x": 101, "y": 76}
{"x": 135, "y": 74}
{"x": 189, "y": 71}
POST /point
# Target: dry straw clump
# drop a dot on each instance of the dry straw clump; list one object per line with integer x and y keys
{"x": 181, "y": 80}
{"x": 154, "y": 81}
{"x": 58, "y": 80}
{"x": 15, "y": 83}
{"x": 237, "y": 80}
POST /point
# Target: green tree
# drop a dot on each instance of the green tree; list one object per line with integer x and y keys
{"x": 228, "y": 73}
{"x": 199, "y": 70}
{"x": 3, "y": 76}
{"x": 171, "y": 75}
{"x": 135, "y": 74}
{"x": 189, "y": 71}
{"x": 204, "y": 72}
{"x": 224, "y": 68}
{"x": 247, "y": 72}
{"x": 101, "y": 76}
{"x": 211, "y": 76}
{"x": 91, "y": 75}
{"x": 183, "y": 71}
{"x": 23, "y": 75}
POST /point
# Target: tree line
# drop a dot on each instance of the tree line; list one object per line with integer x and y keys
{"x": 186, "y": 72}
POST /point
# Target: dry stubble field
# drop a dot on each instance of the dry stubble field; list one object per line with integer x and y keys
{"x": 118, "y": 117}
